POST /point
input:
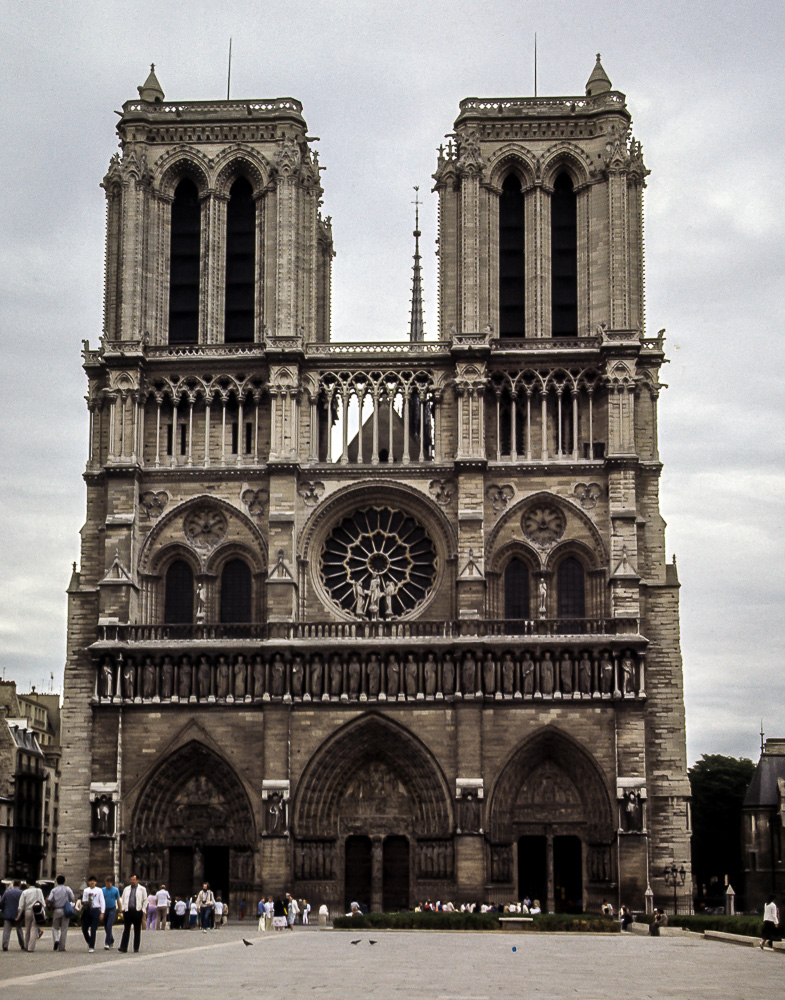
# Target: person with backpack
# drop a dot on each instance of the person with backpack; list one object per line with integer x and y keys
{"x": 61, "y": 899}
{"x": 205, "y": 903}
{"x": 32, "y": 907}
{"x": 93, "y": 909}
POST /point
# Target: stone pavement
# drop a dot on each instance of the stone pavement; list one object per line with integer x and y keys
{"x": 402, "y": 965}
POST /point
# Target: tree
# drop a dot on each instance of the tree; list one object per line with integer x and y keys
{"x": 718, "y": 787}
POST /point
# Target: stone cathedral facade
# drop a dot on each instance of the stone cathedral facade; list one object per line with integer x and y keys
{"x": 375, "y": 621}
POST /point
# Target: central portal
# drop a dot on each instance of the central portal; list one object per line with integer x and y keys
{"x": 357, "y": 878}
{"x": 395, "y": 874}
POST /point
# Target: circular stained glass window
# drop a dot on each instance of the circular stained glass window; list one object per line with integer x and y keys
{"x": 378, "y": 563}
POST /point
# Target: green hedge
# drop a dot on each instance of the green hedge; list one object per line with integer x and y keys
{"x": 700, "y": 922}
{"x": 473, "y": 922}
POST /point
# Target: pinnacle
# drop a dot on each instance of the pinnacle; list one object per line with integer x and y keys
{"x": 598, "y": 82}
{"x": 151, "y": 89}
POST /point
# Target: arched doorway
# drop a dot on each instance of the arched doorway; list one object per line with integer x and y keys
{"x": 373, "y": 800}
{"x": 552, "y": 804}
{"x": 193, "y": 822}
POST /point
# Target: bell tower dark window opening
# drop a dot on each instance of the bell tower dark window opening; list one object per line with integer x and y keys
{"x": 564, "y": 259}
{"x": 236, "y": 592}
{"x": 512, "y": 283}
{"x": 184, "y": 264}
{"x": 240, "y": 263}
{"x": 571, "y": 584}
{"x": 179, "y": 597}
{"x": 516, "y": 590}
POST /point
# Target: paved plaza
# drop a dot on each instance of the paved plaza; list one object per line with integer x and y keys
{"x": 309, "y": 962}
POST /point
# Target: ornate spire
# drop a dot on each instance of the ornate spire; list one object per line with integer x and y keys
{"x": 417, "y": 324}
{"x": 598, "y": 82}
{"x": 151, "y": 89}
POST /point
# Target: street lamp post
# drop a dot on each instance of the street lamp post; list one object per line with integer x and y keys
{"x": 676, "y": 877}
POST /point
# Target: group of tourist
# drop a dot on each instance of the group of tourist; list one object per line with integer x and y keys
{"x": 23, "y": 907}
{"x": 282, "y": 912}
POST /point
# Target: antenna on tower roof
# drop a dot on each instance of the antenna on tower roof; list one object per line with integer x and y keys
{"x": 535, "y": 63}
{"x": 229, "y": 73}
{"x": 762, "y": 742}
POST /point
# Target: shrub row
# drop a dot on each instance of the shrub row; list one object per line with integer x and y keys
{"x": 474, "y": 922}
{"x": 742, "y": 924}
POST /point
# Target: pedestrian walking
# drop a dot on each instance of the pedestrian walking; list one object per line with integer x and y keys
{"x": 152, "y": 912}
{"x": 219, "y": 912}
{"x": 93, "y": 909}
{"x": 162, "y": 900}
{"x": 32, "y": 912}
{"x": 205, "y": 902}
{"x": 771, "y": 921}
{"x": 193, "y": 913}
{"x": 292, "y": 909}
{"x": 111, "y": 902}
{"x": 180, "y": 909}
{"x": 9, "y": 911}
{"x": 61, "y": 899}
{"x": 269, "y": 912}
{"x": 134, "y": 903}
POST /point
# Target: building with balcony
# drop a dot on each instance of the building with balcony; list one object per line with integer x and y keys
{"x": 376, "y": 621}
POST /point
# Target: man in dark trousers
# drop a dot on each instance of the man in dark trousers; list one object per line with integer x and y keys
{"x": 9, "y": 910}
{"x": 134, "y": 905}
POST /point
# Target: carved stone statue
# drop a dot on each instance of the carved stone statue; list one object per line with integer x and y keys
{"x": 359, "y": 597}
{"x": 632, "y": 814}
{"x": 393, "y": 677}
{"x": 489, "y": 674}
{"x": 410, "y": 676}
{"x": 186, "y": 678}
{"x": 258, "y": 677}
{"x": 354, "y": 671}
{"x": 201, "y": 595}
{"x": 222, "y": 677}
{"x": 336, "y": 675}
{"x": 542, "y": 591}
{"x": 278, "y": 676}
{"x": 107, "y": 678}
{"x": 628, "y": 675}
{"x": 274, "y": 814}
{"x": 374, "y": 597}
{"x": 448, "y": 675}
{"x": 508, "y": 674}
{"x": 387, "y": 596}
{"x": 240, "y": 677}
{"x": 103, "y": 816}
{"x": 167, "y": 679}
{"x": 297, "y": 677}
{"x": 606, "y": 675}
{"x": 470, "y": 813}
{"x": 527, "y": 675}
{"x": 469, "y": 674}
{"x": 584, "y": 674}
{"x": 565, "y": 675}
{"x": 148, "y": 678}
{"x": 203, "y": 677}
{"x": 374, "y": 676}
{"x": 430, "y": 674}
{"x": 317, "y": 671}
{"x": 546, "y": 676}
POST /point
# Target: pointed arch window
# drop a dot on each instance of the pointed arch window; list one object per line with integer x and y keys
{"x": 236, "y": 592}
{"x": 516, "y": 590}
{"x": 179, "y": 597}
{"x": 512, "y": 281}
{"x": 571, "y": 586}
{"x": 186, "y": 232}
{"x": 564, "y": 258}
{"x": 240, "y": 263}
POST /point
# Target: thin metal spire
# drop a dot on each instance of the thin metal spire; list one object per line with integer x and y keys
{"x": 229, "y": 72}
{"x": 417, "y": 323}
{"x": 535, "y": 63}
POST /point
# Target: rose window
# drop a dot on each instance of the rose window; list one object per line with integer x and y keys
{"x": 543, "y": 524}
{"x": 378, "y": 563}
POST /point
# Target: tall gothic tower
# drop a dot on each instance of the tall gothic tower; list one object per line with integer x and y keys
{"x": 376, "y": 621}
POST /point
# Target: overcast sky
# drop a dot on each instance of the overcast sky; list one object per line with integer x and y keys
{"x": 380, "y": 85}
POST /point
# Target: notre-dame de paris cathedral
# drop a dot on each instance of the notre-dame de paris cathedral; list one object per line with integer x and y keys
{"x": 375, "y": 621}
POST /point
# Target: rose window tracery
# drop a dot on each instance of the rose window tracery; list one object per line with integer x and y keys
{"x": 543, "y": 523}
{"x": 205, "y": 527}
{"x": 378, "y": 563}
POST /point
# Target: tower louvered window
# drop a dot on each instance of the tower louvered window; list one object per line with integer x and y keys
{"x": 240, "y": 263}
{"x": 179, "y": 600}
{"x": 516, "y": 590}
{"x": 571, "y": 583}
{"x": 512, "y": 286}
{"x": 236, "y": 592}
{"x": 184, "y": 265}
{"x": 564, "y": 258}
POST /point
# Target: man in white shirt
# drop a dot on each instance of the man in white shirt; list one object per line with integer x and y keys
{"x": 134, "y": 904}
{"x": 31, "y": 895}
{"x": 93, "y": 908}
{"x": 162, "y": 900}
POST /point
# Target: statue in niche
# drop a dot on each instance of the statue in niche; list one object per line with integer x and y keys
{"x": 606, "y": 675}
{"x": 430, "y": 672}
{"x": 297, "y": 677}
{"x": 103, "y": 816}
{"x": 278, "y": 676}
{"x": 565, "y": 674}
{"x": 542, "y": 593}
{"x": 201, "y": 595}
{"x": 584, "y": 674}
{"x": 167, "y": 679}
{"x": 448, "y": 675}
{"x": 410, "y": 676}
{"x": 508, "y": 674}
{"x": 374, "y": 676}
{"x": 316, "y": 676}
{"x": 258, "y": 677}
{"x": 628, "y": 675}
{"x": 393, "y": 677}
{"x": 222, "y": 677}
{"x": 632, "y": 813}
{"x": 148, "y": 678}
{"x": 274, "y": 814}
{"x": 470, "y": 813}
{"x": 186, "y": 677}
{"x": 469, "y": 674}
{"x": 373, "y": 599}
{"x": 203, "y": 678}
{"x": 107, "y": 678}
{"x": 336, "y": 675}
{"x": 240, "y": 675}
{"x": 388, "y": 593}
{"x": 546, "y": 676}
{"x": 355, "y": 675}
{"x": 359, "y": 597}
{"x": 489, "y": 674}
{"x": 527, "y": 675}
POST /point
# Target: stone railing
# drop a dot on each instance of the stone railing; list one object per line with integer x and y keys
{"x": 549, "y": 344}
{"x": 539, "y": 105}
{"x": 238, "y": 108}
{"x": 565, "y": 670}
{"x": 369, "y": 347}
